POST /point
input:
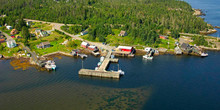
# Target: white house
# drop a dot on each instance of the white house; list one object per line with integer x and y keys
{"x": 84, "y": 33}
{"x": 11, "y": 43}
{"x": 9, "y": 27}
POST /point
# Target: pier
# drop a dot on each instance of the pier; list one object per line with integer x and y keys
{"x": 101, "y": 72}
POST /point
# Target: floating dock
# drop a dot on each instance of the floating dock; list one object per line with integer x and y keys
{"x": 101, "y": 72}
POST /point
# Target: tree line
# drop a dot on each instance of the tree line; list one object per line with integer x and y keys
{"x": 143, "y": 19}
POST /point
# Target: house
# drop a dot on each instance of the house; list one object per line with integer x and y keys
{"x": 41, "y": 33}
{"x": 123, "y": 33}
{"x": 9, "y": 27}
{"x": 12, "y": 36}
{"x": 44, "y": 34}
{"x": 2, "y": 40}
{"x": 29, "y": 23}
{"x": 185, "y": 47}
{"x": 37, "y": 31}
{"x": 11, "y": 43}
{"x": 163, "y": 37}
{"x": 84, "y": 33}
{"x": 44, "y": 45}
{"x": 13, "y": 32}
{"x": 18, "y": 37}
{"x": 126, "y": 49}
{"x": 93, "y": 48}
{"x": 84, "y": 44}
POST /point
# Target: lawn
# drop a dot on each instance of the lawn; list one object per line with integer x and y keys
{"x": 10, "y": 51}
{"x": 43, "y": 26}
{"x": 55, "y": 40}
{"x": 164, "y": 43}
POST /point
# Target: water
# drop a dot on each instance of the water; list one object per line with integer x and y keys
{"x": 166, "y": 83}
{"x": 211, "y": 9}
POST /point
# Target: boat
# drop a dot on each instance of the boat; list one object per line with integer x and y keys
{"x": 102, "y": 59}
{"x": 120, "y": 71}
{"x": 99, "y": 63}
{"x": 96, "y": 68}
{"x": 204, "y": 54}
{"x": 50, "y": 65}
{"x": 148, "y": 57}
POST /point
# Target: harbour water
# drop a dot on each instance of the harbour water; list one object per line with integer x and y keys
{"x": 211, "y": 9}
{"x": 166, "y": 83}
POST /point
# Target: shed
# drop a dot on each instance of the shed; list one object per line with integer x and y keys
{"x": 2, "y": 40}
{"x": 123, "y": 33}
{"x": 84, "y": 44}
{"x": 29, "y": 23}
{"x": 13, "y": 32}
{"x": 44, "y": 45}
{"x": 163, "y": 37}
{"x": 84, "y": 33}
{"x": 93, "y": 48}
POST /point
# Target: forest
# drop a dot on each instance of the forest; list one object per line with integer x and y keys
{"x": 142, "y": 19}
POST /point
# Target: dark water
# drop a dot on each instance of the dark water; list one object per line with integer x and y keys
{"x": 212, "y": 10}
{"x": 168, "y": 82}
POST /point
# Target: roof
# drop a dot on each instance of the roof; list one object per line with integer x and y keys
{"x": 184, "y": 45}
{"x": 45, "y": 43}
{"x": 122, "y": 32}
{"x": 92, "y": 46}
{"x": 84, "y": 43}
{"x": 125, "y": 47}
{"x": 164, "y": 36}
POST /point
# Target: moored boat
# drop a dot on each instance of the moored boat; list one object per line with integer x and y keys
{"x": 204, "y": 54}
{"x": 148, "y": 57}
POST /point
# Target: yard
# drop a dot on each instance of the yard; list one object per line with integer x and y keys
{"x": 55, "y": 40}
{"x": 43, "y": 26}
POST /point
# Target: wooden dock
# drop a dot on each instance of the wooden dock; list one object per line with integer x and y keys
{"x": 101, "y": 72}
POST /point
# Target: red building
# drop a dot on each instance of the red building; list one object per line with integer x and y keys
{"x": 92, "y": 47}
{"x": 126, "y": 48}
{"x": 163, "y": 37}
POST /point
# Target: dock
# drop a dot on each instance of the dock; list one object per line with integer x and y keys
{"x": 101, "y": 72}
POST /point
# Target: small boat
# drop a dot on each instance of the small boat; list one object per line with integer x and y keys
{"x": 112, "y": 56}
{"x": 204, "y": 54}
{"x": 148, "y": 57}
{"x": 102, "y": 59}
{"x": 50, "y": 65}
{"x": 121, "y": 72}
{"x": 99, "y": 63}
{"x": 96, "y": 68}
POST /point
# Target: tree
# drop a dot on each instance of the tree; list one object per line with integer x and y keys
{"x": 25, "y": 33}
{"x": 1, "y": 47}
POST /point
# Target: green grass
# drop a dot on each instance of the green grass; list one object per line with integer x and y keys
{"x": 164, "y": 43}
{"x": 55, "y": 40}
{"x": 43, "y": 26}
{"x": 9, "y": 51}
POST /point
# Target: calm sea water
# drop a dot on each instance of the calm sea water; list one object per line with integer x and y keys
{"x": 211, "y": 9}
{"x": 166, "y": 83}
